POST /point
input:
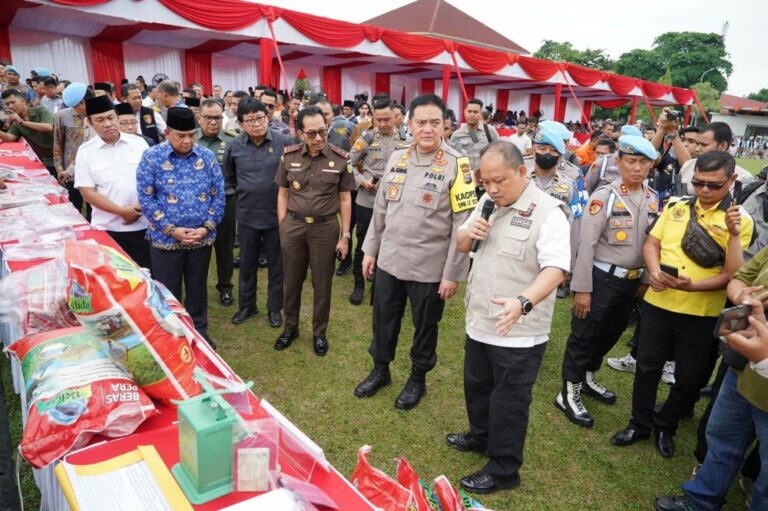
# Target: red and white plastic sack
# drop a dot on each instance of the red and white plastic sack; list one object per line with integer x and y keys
{"x": 118, "y": 303}
{"x": 381, "y": 490}
{"x": 74, "y": 389}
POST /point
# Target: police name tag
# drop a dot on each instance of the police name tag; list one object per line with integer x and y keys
{"x": 332, "y": 171}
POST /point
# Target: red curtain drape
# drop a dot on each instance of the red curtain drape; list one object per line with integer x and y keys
{"x": 198, "y": 68}
{"x": 584, "y": 76}
{"x": 266, "y": 51}
{"x": 223, "y": 15}
{"x": 655, "y": 90}
{"x": 80, "y": 2}
{"x": 412, "y": 47}
{"x": 563, "y": 107}
{"x": 612, "y": 103}
{"x": 274, "y": 81}
{"x": 687, "y": 115}
{"x": 332, "y": 84}
{"x": 502, "y": 100}
{"x": 538, "y": 69}
{"x": 587, "y": 111}
{"x": 558, "y": 105}
{"x": 534, "y": 104}
{"x": 621, "y": 85}
{"x": 446, "y": 81}
{"x": 328, "y": 32}
{"x": 633, "y": 113}
{"x": 470, "y": 88}
{"x": 5, "y": 44}
{"x": 682, "y": 96}
{"x": 382, "y": 83}
{"x": 427, "y": 86}
{"x": 484, "y": 60}
{"x": 107, "y": 62}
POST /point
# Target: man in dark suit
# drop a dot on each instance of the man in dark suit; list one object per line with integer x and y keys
{"x": 150, "y": 125}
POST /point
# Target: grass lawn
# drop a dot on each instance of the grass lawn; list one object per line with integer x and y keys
{"x": 566, "y": 467}
{"x": 753, "y": 166}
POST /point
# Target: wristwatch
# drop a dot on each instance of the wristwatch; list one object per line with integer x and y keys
{"x": 347, "y": 235}
{"x": 526, "y": 303}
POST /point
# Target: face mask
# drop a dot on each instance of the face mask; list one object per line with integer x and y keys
{"x": 546, "y": 161}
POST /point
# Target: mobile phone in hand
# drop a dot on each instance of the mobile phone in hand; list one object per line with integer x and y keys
{"x": 736, "y": 192}
{"x": 669, "y": 270}
{"x": 338, "y": 256}
{"x": 733, "y": 319}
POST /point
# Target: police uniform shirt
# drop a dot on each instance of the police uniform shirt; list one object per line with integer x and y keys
{"x": 462, "y": 140}
{"x": 217, "y": 145}
{"x": 559, "y": 187}
{"x": 757, "y": 207}
{"x": 374, "y": 149}
{"x": 603, "y": 172}
{"x": 689, "y": 168}
{"x": 613, "y": 230}
{"x": 250, "y": 169}
{"x": 421, "y": 201}
{"x": 314, "y": 182}
{"x": 669, "y": 230}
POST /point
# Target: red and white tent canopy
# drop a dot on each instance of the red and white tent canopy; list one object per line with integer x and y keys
{"x": 236, "y": 43}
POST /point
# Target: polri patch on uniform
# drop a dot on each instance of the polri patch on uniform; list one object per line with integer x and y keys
{"x": 359, "y": 145}
{"x": 437, "y": 170}
{"x": 296, "y": 185}
{"x": 616, "y": 223}
{"x": 147, "y": 119}
{"x": 375, "y": 145}
{"x": 528, "y": 212}
{"x": 438, "y": 159}
{"x": 619, "y": 205}
{"x": 396, "y": 178}
{"x": 394, "y": 191}
{"x": 429, "y": 185}
{"x": 167, "y": 165}
{"x": 595, "y": 206}
{"x": 331, "y": 164}
{"x": 427, "y": 200}
{"x": 623, "y": 189}
{"x": 621, "y": 235}
{"x": 561, "y": 188}
{"x": 199, "y": 164}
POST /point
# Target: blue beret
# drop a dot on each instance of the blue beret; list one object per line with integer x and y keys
{"x": 558, "y": 127}
{"x": 74, "y": 93}
{"x": 633, "y": 144}
{"x": 12, "y": 69}
{"x": 549, "y": 136}
{"x": 628, "y": 129}
{"x": 42, "y": 72}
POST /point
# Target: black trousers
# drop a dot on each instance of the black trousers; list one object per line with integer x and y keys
{"x": 135, "y": 244}
{"x": 497, "y": 390}
{"x": 687, "y": 340}
{"x": 190, "y": 266}
{"x": 594, "y": 336}
{"x": 74, "y": 196}
{"x": 252, "y": 241}
{"x": 224, "y": 245}
{"x": 388, "y": 308}
{"x": 364, "y": 216}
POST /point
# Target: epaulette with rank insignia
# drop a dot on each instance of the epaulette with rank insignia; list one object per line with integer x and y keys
{"x": 338, "y": 150}
{"x": 450, "y": 150}
{"x": 292, "y": 148}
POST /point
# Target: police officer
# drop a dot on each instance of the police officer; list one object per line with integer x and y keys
{"x": 315, "y": 186}
{"x": 373, "y": 149}
{"x": 475, "y": 134}
{"x": 522, "y": 257}
{"x": 548, "y": 148}
{"x": 607, "y": 274}
{"x": 426, "y": 193}
{"x": 605, "y": 170}
{"x": 210, "y": 135}
{"x": 181, "y": 192}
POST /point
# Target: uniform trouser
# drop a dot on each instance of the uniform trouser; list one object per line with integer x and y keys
{"x": 686, "y": 339}
{"x": 497, "y": 391}
{"x": 224, "y": 245}
{"x": 733, "y": 426}
{"x": 135, "y": 244}
{"x": 364, "y": 216}
{"x": 352, "y": 224}
{"x": 388, "y": 308}
{"x": 251, "y": 242}
{"x": 190, "y": 265}
{"x": 593, "y": 337}
{"x": 310, "y": 246}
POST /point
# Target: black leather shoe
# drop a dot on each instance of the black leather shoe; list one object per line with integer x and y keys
{"x": 481, "y": 482}
{"x": 226, "y": 299}
{"x": 356, "y": 298}
{"x": 209, "y": 341}
{"x": 236, "y": 262}
{"x": 629, "y": 436}
{"x": 285, "y": 340}
{"x": 411, "y": 394}
{"x": 465, "y": 442}
{"x": 263, "y": 262}
{"x": 665, "y": 443}
{"x": 377, "y": 379}
{"x": 275, "y": 319}
{"x": 345, "y": 267}
{"x": 673, "y": 503}
{"x": 320, "y": 345}
{"x": 243, "y": 314}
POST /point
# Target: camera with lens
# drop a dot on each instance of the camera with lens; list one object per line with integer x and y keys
{"x": 672, "y": 115}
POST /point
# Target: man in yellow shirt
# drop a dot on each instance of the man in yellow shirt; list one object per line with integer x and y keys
{"x": 681, "y": 310}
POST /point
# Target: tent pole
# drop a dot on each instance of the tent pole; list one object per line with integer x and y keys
{"x": 634, "y": 111}
{"x": 701, "y": 108}
{"x": 279, "y": 60}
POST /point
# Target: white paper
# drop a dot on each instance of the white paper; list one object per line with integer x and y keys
{"x": 128, "y": 488}
{"x": 277, "y": 500}
{"x": 252, "y": 469}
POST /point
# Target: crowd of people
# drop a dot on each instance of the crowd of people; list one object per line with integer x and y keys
{"x": 654, "y": 225}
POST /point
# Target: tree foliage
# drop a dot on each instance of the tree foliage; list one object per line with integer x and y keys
{"x": 709, "y": 97}
{"x": 643, "y": 64}
{"x": 761, "y": 95}
{"x": 565, "y": 52}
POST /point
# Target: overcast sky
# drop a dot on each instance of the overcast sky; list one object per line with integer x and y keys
{"x": 609, "y": 26}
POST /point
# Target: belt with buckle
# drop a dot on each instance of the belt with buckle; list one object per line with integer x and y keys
{"x": 310, "y": 219}
{"x": 618, "y": 271}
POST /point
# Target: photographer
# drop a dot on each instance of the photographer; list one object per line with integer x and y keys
{"x": 739, "y": 414}
{"x": 672, "y": 159}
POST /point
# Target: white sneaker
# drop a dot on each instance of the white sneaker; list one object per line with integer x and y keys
{"x": 626, "y": 363}
{"x": 668, "y": 376}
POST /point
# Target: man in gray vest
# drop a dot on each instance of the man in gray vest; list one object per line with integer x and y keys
{"x": 523, "y": 255}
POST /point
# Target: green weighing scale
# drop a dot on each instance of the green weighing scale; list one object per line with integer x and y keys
{"x": 206, "y": 423}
